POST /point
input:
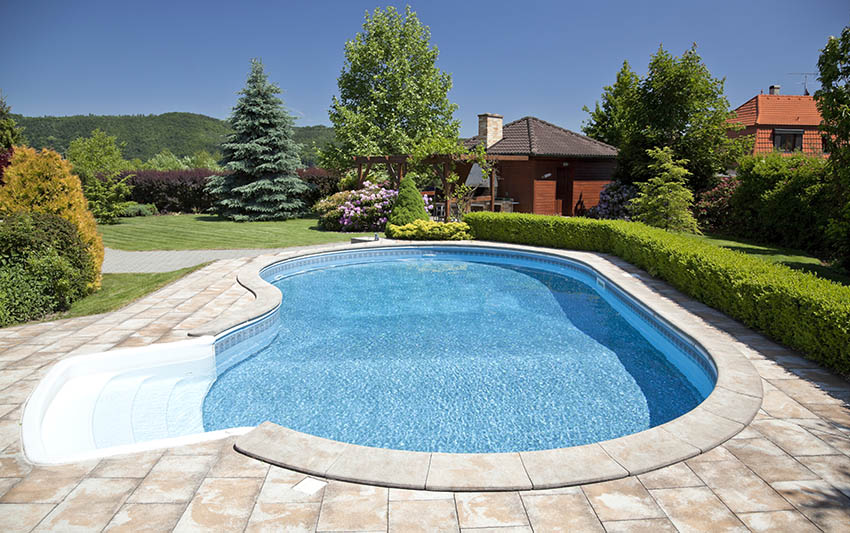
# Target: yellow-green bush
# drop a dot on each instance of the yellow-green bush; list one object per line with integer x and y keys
{"x": 42, "y": 182}
{"x": 427, "y": 230}
{"x": 807, "y": 313}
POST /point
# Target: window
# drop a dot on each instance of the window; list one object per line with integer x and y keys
{"x": 788, "y": 140}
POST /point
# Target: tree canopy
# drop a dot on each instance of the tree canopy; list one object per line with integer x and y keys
{"x": 10, "y": 133}
{"x": 392, "y": 96}
{"x": 833, "y": 101}
{"x": 677, "y": 104}
{"x": 261, "y": 155}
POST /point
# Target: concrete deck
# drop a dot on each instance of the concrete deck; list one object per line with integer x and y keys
{"x": 788, "y": 470}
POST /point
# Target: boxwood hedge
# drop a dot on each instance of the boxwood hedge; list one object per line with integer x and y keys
{"x": 798, "y": 309}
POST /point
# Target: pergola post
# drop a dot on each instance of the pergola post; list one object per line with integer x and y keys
{"x": 492, "y": 188}
{"x": 359, "y": 175}
{"x": 447, "y": 192}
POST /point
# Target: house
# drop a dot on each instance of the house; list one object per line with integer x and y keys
{"x": 785, "y": 123}
{"x": 544, "y": 168}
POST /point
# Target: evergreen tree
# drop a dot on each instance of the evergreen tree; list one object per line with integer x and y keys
{"x": 664, "y": 201}
{"x": 262, "y": 157}
{"x": 409, "y": 205}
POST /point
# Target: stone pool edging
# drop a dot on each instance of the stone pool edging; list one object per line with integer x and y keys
{"x": 729, "y": 408}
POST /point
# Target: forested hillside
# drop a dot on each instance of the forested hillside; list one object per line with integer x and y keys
{"x": 146, "y": 135}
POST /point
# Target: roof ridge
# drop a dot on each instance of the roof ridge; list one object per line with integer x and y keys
{"x": 532, "y": 137}
{"x": 570, "y": 132}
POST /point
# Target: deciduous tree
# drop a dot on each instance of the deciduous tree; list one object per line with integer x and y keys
{"x": 392, "y": 96}
{"x": 677, "y": 104}
{"x": 833, "y": 101}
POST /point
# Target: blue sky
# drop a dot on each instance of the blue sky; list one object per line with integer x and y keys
{"x": 541, "y": 58}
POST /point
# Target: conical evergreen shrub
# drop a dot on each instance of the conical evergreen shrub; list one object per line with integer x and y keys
{"x": 262, "y": 158}
{"x": 409, "y": 205}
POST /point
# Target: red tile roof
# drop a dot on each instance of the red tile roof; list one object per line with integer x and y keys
{"x": 532, "y": 136}
{"x": 779, "y": 110}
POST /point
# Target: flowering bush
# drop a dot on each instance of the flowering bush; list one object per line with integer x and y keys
{"x": 365, "y": 209}
{"x": 714, "y": 208}
{"x": 614, "y": 201}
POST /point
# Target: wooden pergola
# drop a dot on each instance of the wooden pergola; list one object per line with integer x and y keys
{"x": 397, "y": 166}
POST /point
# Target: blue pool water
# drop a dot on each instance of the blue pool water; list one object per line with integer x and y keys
{"x": 447, "y": 355}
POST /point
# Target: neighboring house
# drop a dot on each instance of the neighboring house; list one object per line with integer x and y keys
{"x": 564, "y": 171}
{"x": 780, "y": 122}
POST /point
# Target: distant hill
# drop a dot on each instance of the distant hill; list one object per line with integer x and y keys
{"x": 147, "y": 135}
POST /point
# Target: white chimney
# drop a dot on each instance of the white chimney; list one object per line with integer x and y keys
{"x": 774, "y": 89}
{"x": 490, "y": 128}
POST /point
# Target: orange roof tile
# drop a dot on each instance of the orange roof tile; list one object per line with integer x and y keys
{"x": 779, "y": 110}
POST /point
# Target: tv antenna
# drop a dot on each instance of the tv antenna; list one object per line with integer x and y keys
{"x": 805, "y": 76}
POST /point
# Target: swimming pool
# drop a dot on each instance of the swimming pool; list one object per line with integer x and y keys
{"x": 161, "y": 395}
{"x": 458, "y": 350}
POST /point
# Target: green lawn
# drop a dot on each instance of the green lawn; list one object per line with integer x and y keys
{"x": 792, "y": 258}
{"x": 119, "y": 290}
{"x": 197, "y": 232}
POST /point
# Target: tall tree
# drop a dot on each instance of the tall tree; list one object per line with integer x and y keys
{"x": 392, "y": 95}
{"x": 261, "y": 155}
{"x": 677, "y": 104}
{"x": 610, "y": 122}
{"x": 833, "y": 101}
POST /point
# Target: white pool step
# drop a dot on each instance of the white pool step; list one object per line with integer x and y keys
{"x": 111, "y": 425}
{"x": 150, "y": 407}
{"x": 185, "y": 414}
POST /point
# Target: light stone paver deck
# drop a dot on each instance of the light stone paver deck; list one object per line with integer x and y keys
{"x": 789, "y": 470}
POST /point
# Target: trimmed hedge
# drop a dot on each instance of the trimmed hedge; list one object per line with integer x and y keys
{"x": 807, "y": 313}
{"x": 44, "y": 266}
{"x": 422, "y": 230}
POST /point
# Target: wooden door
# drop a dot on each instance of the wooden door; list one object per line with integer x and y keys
{"x": 564, "y": 191}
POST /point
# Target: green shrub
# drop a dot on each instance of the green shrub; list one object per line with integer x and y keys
{"x": 427, "y": 230}
{"x": 784, "y": 200}
{"x": 664, "y": 201}
{"x": 798, "y": 309}
{"x": 44, "y": 266}
{"x": 135, "y": 209}
{"x": 409, "y": 205}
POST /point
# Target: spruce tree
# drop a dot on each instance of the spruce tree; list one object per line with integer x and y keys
{"x": 262, "y": 157}
{"x": 664, "y": 201}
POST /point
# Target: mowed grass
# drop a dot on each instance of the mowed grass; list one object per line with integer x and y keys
{"x": 118, "y": 290}
{"x": 791, "y": 258}
{"x": 199, "y": 232}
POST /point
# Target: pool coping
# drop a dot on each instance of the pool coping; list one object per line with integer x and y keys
{"x": 729, "y": 408}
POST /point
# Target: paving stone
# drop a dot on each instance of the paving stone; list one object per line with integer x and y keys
{"x": 290, "y": 449}
{"x": 22, "y": 517}
{"x": 221, "y": 504}
{"x": 561, "y": 512}
{"x": 41, "y": 487}
{"x": 792, "y": 438}
{"x": 697, "y": 510}
{"x": 649, "y": 525}
{"x": 402, "y": 495}
{"x": 290, "y": 517}
{"x": 622, "y": 499}
{"x": 90, "y": 506}
{"x": 173, "y": 479}
{"x": 278, "y": 488}
{"x": 669, "y": 477}
{"x": 477, "y": 472}
{"x": 778, "y": 522}
{"x": 423, "y": 515}
{"x": 136, "y": 465}
{"x": 397, "y": 468}
{"x": 819, "y": 501}
{"x": 234, "y": 464}
{"x": 778, "y": 404}
{"x": 834, "y": 469}
{"x": 145, "y": 517}
{"x": 490, "y": 509}
{"x": 348, "y": 506}
{"x": 739, "y": 488}
{"x": 570, "y": 466}
{"x": 648, "y": 450}
{"x": 805, "y": 392}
